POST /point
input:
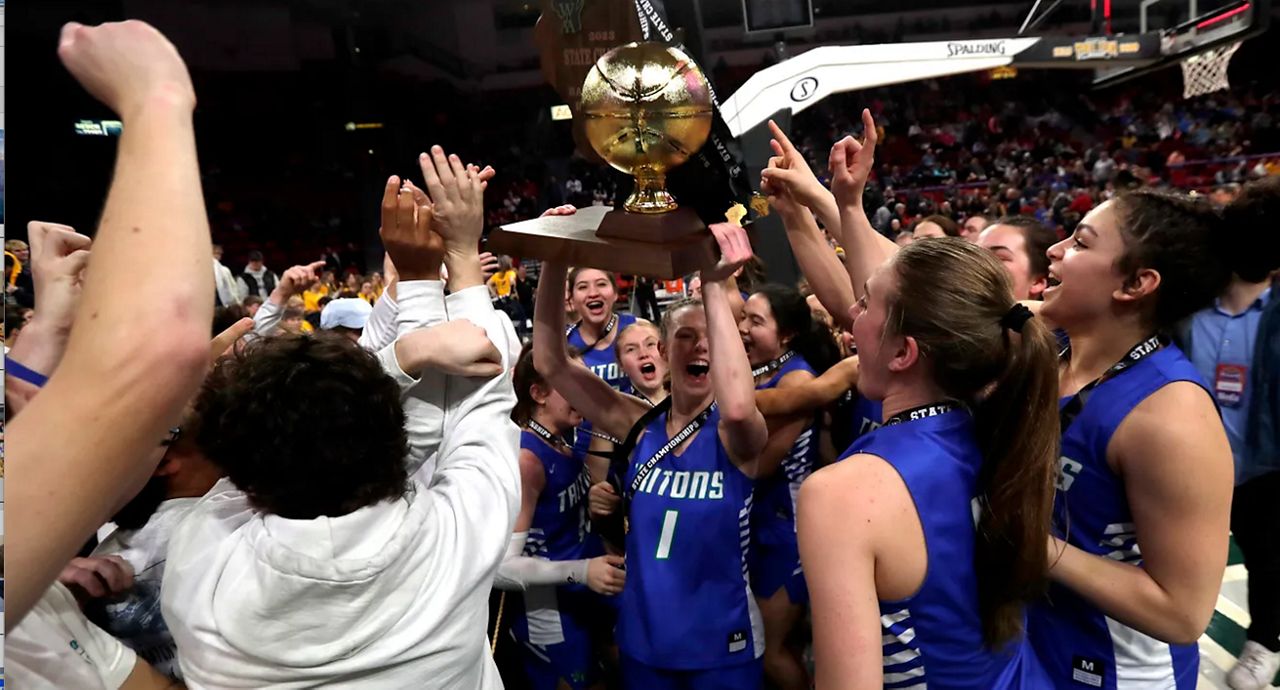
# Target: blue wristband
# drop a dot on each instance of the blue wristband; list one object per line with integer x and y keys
{"x": 16, "y": 370}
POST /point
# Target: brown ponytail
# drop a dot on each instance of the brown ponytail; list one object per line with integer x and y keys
{"x": 953, "y": 298}
{"x": 1017, "y": 425}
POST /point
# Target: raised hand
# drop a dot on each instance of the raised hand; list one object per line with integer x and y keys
{"x": 850, "y": 164}
{"x": 457, "y": 195}
{"x": 735, "y": 251}
{"x": 298, "y": 278}
{"x": 415, "y": 249}
{"x": 605, "y": 574}
{"x": 126, "y": 65}
{"x": 788, "y": 181}
{"x": 58, "y": 258}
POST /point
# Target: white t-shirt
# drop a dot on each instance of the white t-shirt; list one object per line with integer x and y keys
{"x": 134, "y": 616}
{"x": 56, "y": 647}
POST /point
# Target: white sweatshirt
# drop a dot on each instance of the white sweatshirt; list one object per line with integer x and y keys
{"x": 56, "y": 647}
{"x": 394, "y": 595}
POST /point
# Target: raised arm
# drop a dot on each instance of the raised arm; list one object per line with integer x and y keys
{"x": 119, "y": 387}
{"x": 795, "y": 193}
{"x": 608, "y": 410}
{"x": 292, "y": 282}
{"x": 741, "y": 425}
{"x": 1178, "y": 479}
{"x": 58, "y": 257}
{"x": 864, "y": 248}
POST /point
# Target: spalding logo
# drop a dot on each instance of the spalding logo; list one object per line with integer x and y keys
{"x": 804, "y": 89}
{"x": 975, "y": 48}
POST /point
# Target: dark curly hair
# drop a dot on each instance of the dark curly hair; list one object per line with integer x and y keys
{"x": 1252, "y": 230}
{"x": 810, "y": 339}
{"x": 306, "y": 426}
{"x": 1181, "y": 238}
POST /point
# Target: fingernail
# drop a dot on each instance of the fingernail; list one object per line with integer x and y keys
{"x": 422, "y": 155}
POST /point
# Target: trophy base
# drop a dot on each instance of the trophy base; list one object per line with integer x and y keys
{"x": 667, "y": 246}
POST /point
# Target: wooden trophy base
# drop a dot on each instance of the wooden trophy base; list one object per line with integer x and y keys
{"x": 667, "y": 245}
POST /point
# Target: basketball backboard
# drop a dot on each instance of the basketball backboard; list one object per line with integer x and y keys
{"x": 1186, "y": 28}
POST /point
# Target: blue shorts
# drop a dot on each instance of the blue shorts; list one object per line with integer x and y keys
{"x": 572, "y": 660}
{"x": 640, "y": 676}
{"x": 778, "y": 565}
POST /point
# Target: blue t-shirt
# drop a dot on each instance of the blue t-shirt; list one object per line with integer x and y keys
{"x": 1077, "y": 643}
{"x": 934, "y": 637}
{"x": 687, "y": 603}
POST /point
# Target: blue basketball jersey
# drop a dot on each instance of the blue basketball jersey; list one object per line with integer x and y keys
{"x": 604, "y": 364}
{"x": 1078, "y": 644}
{"x": 773, "y": 516}
{"x": 558, "y": 533}
{"x": 687, "y": 603}
{"x": 934, "y": 637}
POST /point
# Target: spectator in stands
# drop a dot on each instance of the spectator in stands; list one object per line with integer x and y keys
{"x": 347, "y": 316}
{"x": 256, "y": 278}
{"x": 225, "y": 288}
{"x": 972, "y": 226}
{"x": 20, "y": 288}
{"x": 935, "y": 226}
{"x": 251, "y": 305}
{"x": 293, "y": 323}
{"x": 1104, "y": 168}
{"x": 311, "y": 296}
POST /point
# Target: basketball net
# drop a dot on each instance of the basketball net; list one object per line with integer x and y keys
{"x": 1207, "y": 72}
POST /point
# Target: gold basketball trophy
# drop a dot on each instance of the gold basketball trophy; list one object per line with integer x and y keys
{"x": 645, "y": 108}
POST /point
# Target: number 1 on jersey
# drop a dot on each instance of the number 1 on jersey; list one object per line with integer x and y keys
{"x": 668, "y": 533}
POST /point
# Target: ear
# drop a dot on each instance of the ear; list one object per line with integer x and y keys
{"x": 1037, "y": 287}
{"x": 169, "y": 465}
{"x": 539, "y": 393}
{"x": 905, "y": 355}
{"x": 1143, "y": 283}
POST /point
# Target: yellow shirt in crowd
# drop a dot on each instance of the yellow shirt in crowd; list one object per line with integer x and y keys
{"x": 501, "y": 283}
{"x": 311, "y": 299}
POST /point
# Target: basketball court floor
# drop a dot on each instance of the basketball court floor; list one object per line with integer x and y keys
{"x": 1220, "y": 645}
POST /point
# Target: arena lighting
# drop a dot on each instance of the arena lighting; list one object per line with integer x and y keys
{"x": 1222, "y": 17}
{"x": 561, "y": 112}
{"x": 353, "y": 126}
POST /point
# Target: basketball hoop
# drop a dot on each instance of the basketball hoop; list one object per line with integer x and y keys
{"x": 1206, "y": 72}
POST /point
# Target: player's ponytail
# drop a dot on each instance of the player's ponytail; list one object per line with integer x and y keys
{"x": 986, "y": 351}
